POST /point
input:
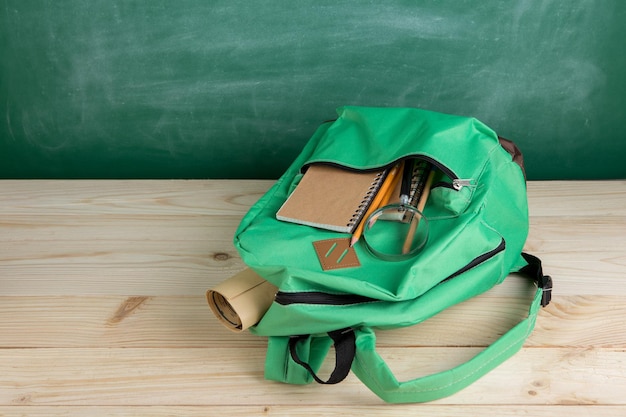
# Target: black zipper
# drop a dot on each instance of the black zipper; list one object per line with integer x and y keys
{"x": 443, "y": 184}
{"x": 479, "y": 260}
{"x": 321, "y": 298}
{"x": 439, "y": 166}
{"x": 428, "y": 159}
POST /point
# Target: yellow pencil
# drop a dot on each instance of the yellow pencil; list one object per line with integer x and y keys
{"x": 393, "y": 186}
{"x": 380, "y": 196}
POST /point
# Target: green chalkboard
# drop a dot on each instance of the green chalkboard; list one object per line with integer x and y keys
{"x": 233, "y": 89}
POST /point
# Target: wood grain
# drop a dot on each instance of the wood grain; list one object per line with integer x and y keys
{"x": 143, "y": 321}
{"x": 314, "y": 410}
{"x": 185, "y": 254}
{"x": 222, "y": 376}
{"x": 171, "y": 197}
{"x": 102, "y": 309}
{"x": 583, "y": 199}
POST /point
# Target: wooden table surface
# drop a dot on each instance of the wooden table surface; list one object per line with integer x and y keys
{"x": 102, "y": 310}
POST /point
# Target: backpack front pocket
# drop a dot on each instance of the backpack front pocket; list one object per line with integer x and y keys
{"x": 368, "y": 139}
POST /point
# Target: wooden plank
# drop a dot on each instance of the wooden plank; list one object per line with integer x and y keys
{"x": 102, "y": 309}
{"x": 110, "y": 237}
{"x": 183, "y": 255}
{"x": 120, "y": 275}
{"x": 545, "y": 232}
{"x": 113, "y": 321}
{"x": 584, "y": 255}
{"x": 309, "y": 410}
{"x": 160, "y": 255}
{"x": 171, "y": 197}
{"x": 546, "y": 198}
{"x": 587, "y": 199}
{"x": 204, "y": 376}
{"x": 140, "y": 321}
{"x": 569, "y": 235}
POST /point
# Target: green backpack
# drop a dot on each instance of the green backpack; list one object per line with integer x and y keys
{"x": 478, "y": 218}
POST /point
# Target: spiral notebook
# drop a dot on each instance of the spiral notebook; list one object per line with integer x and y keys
{"x": 331, "y": 198}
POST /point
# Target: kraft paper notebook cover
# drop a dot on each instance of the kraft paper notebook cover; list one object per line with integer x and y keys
{"x": 331, "y": 198}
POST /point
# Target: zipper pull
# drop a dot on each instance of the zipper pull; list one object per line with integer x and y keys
{"x": 458, "y": 183}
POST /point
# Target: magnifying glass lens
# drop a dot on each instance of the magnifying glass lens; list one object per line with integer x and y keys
{"x": 395, "y": 232}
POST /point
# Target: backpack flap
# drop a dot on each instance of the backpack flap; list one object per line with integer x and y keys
{"x": 283, "y": 253}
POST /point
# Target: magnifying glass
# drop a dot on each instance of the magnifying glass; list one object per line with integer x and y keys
{"x": 395, "y": 232}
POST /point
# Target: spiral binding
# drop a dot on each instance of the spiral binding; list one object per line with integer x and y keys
{"x": 367, "y": 200}
{"x": 420, "y": 172}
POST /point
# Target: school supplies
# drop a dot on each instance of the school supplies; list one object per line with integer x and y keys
{"x": 241, "y": 301}
{"x": 409, "y": 192}
{"x": 382, "y": 194}
{"x": 395, "y": 232}
{"x": 408, "y": 243}
{"x": 407, "y": 177}
{"x": 478, "y": 215}
{"x": 398, "y": 180}
{"x": 398, "y": 229}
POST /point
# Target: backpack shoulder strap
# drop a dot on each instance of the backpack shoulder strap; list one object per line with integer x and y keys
{"x": 372, "y": 370}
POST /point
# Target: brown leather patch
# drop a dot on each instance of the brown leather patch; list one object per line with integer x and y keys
{"x": 336, "y": 254}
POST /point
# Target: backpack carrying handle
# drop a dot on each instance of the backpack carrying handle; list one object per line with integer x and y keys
{"x": 372, "y": 370}
{"x": 345, "y": 350}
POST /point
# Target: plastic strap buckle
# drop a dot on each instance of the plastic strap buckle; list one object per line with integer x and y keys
{"x": 546, "y": 286}
{"x": 535, "y": 271}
